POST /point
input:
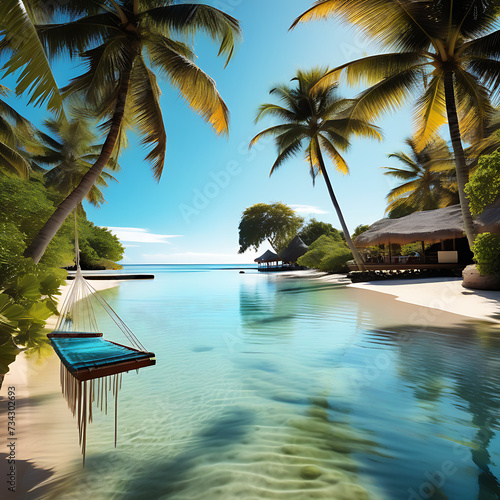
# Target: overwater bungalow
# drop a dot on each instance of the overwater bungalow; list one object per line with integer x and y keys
{"x": 269, "y": 261}
{"x": 440, "y": 233}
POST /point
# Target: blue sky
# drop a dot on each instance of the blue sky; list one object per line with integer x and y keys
{"x": 192, "y": 214}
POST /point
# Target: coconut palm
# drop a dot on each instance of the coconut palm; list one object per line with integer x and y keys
{"x": 428, "y": 179}
{"x": 314, "y": 122}
{"x": 114, "y": 39}
{"x": 70, "y": 151}
{"x": 445, "y": 52}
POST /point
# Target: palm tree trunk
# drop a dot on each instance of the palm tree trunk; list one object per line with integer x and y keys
{"x": 461, "y": 165}
{"x": 38, "y": 246}
{"x": 357, "y": 256}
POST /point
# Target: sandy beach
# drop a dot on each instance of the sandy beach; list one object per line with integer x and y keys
{"x": 444, "y": 294}
{"x": 29, "y": 380}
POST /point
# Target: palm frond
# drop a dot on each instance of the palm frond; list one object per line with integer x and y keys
{"x": 474, "y": 107}
{"x": 273, "y": 132}
{"x": 487, "y": 71}
{"x": 286, "y": 154}
{"x": 26, "y": 54}
{"x": 335, "y": 157}
{"x": 145, "y": 96}
{"x": 388, "y": 95}
{"x": 402, "y": 25}
{"x": 485, "y": 46}
{"x": 12, "y": 162}
{"x": 75, "y": 37}
{"x": 372, "y": 69}
{"x": 430, "y": 112}
{"x": 195, "y": 86}
{"x": 189, "y": 19}
{"x": 276, "y": 111}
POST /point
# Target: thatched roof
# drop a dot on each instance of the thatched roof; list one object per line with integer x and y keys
{"x": 268, "y": 256}
{"x": 430, "y": 226}
{"x": 295, "y": 249}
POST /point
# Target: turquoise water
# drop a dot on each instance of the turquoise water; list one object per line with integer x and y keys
{"x": 270, "y": 388}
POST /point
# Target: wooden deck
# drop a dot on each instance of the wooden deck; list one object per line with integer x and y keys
{"x": 403, "y": 267}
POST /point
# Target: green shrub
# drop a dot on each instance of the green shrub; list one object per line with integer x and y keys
{"x": 336, "y": 259}
{"x": 483, "y": 187}
{"x": 486, "y": 250}
{"x": 326, "y": 254}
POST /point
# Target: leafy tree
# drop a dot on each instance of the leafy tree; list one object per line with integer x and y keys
{"x": 444, "y": 52}
{"x": 326, "y": 254}
{"x": 360, "y": 230}
{"x": 70, "y": 151}
{"x": 315, "y": 228}
{"x": 276, "y": 222}
{"x": 117, "y": 40}
{"x": 427, "y": 175}
{"x": 314, "y": 120}
{"x": 484, "y": 185}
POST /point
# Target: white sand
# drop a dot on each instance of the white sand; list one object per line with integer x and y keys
{"x": 445, "y": 294}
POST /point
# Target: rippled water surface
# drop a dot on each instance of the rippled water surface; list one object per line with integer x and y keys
{"x": 274, "y": 388}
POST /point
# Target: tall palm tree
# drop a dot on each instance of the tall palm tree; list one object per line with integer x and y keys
{"x": 69, "y": 152}
{"x": 114, "y": 38}
{"x": 446, "y": 52}
{"x": 314, "y": 121}
{"x": 428, "y": 179}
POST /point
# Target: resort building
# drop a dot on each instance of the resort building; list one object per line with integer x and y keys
{"x": 440, "y": 233}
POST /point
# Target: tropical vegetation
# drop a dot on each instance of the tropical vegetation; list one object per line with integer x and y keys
{"x": 327, "y": 254}
{"x": 315, "y": 228}
{"x": 118, "y": 40}
{"x": 314, "y": 120}
{"x": 428, "y": 180}
{"x": 276, "y": 222}
{"x": 443, "y": 54}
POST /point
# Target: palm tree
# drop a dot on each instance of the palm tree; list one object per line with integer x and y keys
{"x": 428, "y": 179}
{"x": 443, "y": 50}
{"x": 314, "y": 121}
{"x": 70, "y": 151}
{"x": 113, "y": 38}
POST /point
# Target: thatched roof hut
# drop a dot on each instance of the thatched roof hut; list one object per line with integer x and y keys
{"x": 430, "y": 226}
{"x": 295, "y": 249}
{"x": 268, "y": 256}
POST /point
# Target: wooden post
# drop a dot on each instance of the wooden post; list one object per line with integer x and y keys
{"x": 390, "y": 253}
{"x": 423, "y": 252}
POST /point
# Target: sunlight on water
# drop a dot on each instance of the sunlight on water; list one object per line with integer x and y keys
{"x": 274, "y": 388}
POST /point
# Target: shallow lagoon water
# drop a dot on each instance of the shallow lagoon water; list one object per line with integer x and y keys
{"x": 270, "y": 388}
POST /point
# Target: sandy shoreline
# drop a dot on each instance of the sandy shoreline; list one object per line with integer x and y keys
{"x": 444, "y": 294}
{"x": 34, "y": 464}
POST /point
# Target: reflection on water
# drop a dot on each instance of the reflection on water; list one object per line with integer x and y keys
{"x": 272, "y": 388}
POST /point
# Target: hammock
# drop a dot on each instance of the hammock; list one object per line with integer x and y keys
{"x": 92, "y": 366}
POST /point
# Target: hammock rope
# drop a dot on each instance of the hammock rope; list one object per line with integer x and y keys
{"x": 90, "y": 365}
